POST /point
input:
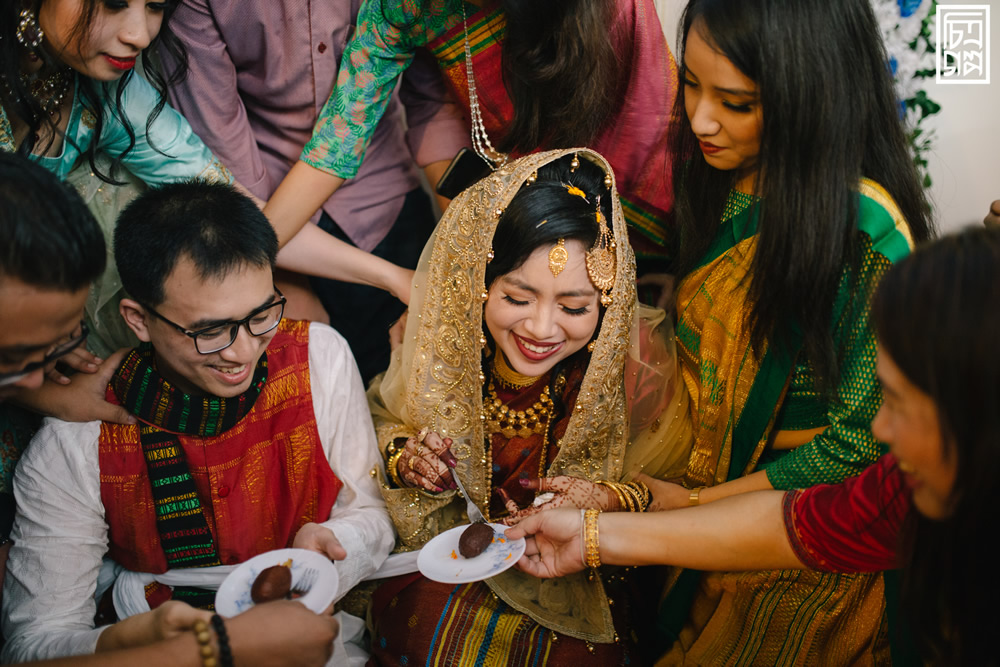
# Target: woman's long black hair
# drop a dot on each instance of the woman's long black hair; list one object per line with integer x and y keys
{"x": 27, "y": 108}
{"x": 519, "y": 231}
{"x": 563, "y": 67}
{"x": 830, "y": 117}
{"x": 937, "y": 315}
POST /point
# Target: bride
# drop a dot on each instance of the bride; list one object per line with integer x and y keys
{"x": 527, "y": 370}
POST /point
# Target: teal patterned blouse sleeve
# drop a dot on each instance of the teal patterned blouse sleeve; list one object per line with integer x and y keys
{"x": 379, "y": 52}
{"x": 171, "y": 151}
{"x": 846, "y": 446}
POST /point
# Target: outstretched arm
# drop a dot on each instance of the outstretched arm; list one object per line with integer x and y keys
{"x": 743, "y": 533}
{"x": 316, "y": 253}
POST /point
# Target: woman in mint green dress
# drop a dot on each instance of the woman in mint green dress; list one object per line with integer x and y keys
{"x": 72, "y": 102}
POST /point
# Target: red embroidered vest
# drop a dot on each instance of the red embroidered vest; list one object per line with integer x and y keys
{"x": 258, "y": 482}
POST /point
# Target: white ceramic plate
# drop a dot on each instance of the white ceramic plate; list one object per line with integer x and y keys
{"x": 233, "y": 596}
{"x": 440, "y": 560}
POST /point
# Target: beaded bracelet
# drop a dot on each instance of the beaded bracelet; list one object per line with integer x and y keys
{"x": 205, "y": 649}
{"x": 225, "y": 653}
{"x": 591, "y": 538}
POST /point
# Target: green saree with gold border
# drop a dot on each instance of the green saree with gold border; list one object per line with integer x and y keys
{"x": 740, "y": 400}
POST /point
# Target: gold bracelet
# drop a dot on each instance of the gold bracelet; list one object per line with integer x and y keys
{"x": 205, "y": 649}
{"x": 591, "y": 539}
{"x": 623, "y": 505}
{"x": 635, "y": 500}
{"x": 694, "y": 498}
{"x": 641, "y": 491}
{"x": 392, "y": 467}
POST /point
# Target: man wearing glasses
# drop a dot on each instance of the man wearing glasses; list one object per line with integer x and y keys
{"x": 253, "y": 434}
{"x": 51, "y": 250}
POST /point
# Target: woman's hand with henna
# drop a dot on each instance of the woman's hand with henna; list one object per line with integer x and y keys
{"x": 427, "y": 461}
{"x": 568, "y": 492}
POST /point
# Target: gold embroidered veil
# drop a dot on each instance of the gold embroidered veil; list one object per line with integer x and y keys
{"x": 435, "y": 381}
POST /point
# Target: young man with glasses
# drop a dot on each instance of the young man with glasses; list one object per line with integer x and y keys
{"x": 52, "y": 249}
{"x": 253, "y": 434}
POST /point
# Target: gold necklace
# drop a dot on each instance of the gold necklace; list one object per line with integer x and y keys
{"x": 522, "y": 423}
{"x": 508, "y": 377}
{"x": 533, "y": 420}
{"x": 49, "y": 92}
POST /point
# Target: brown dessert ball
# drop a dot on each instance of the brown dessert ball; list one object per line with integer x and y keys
{"x": 475, "y": 539}
{"x": 274, "y": 583}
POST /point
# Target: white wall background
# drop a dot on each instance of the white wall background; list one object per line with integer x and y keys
{"x": 965, "y": 162}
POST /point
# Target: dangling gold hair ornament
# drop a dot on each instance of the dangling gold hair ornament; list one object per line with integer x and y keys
{"x": 601, "y": 259}
{"x": 558, "y": 256}
{"x": 532, "y": 178}
{"x": 574, "y": 163}
{"x": 607, "y": 180}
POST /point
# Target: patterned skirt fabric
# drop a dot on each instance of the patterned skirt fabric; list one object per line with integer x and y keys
{"x": 785, "y": 617}
{"x": 420, "y": 622}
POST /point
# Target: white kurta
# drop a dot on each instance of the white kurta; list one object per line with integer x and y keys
{"x": 61, "y": 537}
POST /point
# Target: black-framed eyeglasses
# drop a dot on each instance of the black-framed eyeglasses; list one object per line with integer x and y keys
{"x": 220, "y": 336}
{"x": 59, "y": 350}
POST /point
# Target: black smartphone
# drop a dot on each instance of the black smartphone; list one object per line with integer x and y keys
{"x": 464, "y": 171}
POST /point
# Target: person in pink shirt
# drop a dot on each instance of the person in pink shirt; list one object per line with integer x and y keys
{"x": 260, "y": 72}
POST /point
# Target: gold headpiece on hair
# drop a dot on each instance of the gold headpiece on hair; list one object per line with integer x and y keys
{"x": 558, "y": 256}
{"x": 601, "y": 259}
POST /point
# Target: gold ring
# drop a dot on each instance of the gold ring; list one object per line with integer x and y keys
{"x": 410, "y": 463}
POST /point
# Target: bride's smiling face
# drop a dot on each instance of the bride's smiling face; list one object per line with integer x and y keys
{"x": 538, "y": 319}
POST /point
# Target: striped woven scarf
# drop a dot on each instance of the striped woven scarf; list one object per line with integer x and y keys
{"x": 166, "y": 412}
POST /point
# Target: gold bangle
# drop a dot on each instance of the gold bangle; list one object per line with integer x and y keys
{"x": 695, "y": 497}
{"x": 631, "y": 497}
{"x": 591, "y": 538}
{"x": 623, "y": 505}
{"x": 205, "y": 649}
{"x": 392, "y": 467}
{"x": 643, "y": 495}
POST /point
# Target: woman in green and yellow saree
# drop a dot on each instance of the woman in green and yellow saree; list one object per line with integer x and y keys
{"x": 797, "y": 195}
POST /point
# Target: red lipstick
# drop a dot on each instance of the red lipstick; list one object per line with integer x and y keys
{"x": 123, "y": 64}
{"x": 709, "y": 149}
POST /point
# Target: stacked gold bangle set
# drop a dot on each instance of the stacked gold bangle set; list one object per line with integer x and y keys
{"x": 632, "y": 496}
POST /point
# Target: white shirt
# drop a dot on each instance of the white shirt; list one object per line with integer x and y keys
{"x": 61, "y": 536}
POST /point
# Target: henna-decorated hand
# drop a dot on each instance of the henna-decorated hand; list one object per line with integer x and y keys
{"x": 427, "y": 462}
{"x": 569, "y": 492}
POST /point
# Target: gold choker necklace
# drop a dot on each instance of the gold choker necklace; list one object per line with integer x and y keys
{"x": 508, "y": 377}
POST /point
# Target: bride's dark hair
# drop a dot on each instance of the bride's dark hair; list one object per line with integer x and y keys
{"x": 567, "y": 216}
{"x": 24, "y": 105}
